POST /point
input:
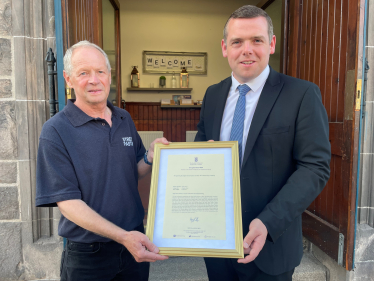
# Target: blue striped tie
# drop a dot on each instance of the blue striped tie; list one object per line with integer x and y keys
{"x": 238, "y": 120}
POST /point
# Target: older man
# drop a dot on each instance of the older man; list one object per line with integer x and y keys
{"x": 89, "y": 160}
{"x": 282, "y": 130}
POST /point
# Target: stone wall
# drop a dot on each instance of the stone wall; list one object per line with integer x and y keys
{"x": 364, "y": 251}
{"x": 366, "y": 196}
{"x": 29, "y": 245}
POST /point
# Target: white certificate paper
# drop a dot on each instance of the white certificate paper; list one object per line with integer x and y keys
{"x": 195, "y": 197}
{"x": 223, "y": 215}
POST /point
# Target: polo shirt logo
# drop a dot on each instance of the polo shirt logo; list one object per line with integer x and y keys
{"x": 127, "y": 141}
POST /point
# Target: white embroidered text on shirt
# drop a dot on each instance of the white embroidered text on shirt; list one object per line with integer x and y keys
{"x": 127, "y": 141}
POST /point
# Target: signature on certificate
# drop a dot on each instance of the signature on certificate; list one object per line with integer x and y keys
{"x": 194, "y": 219}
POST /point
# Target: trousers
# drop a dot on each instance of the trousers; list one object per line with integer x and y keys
{"x": 221, "y": 269}
{"x": 101, "y": 261}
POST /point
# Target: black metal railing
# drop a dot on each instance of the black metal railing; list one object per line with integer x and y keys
{"x": 51, "y": 63}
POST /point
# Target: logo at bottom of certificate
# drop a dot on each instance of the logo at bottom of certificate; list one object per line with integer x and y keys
{"x": 191, "y": 236}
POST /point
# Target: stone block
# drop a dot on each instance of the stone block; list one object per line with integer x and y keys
{"x": 27, "y": 15}
{"x": 41, "y": 257}
{"x": 39, "y": 84}
{"x": 310, "y": 269}
{"x": 36, "y": 18}
{"x": 25, "y": 190}
{"x": 9, "y": 206}
{"x": 5, "y": 57}
{"x": 5, "y": 18}
{"x": 363, "y": 214}
{"x": 5, "y": 88}
{"x": 56, "y": 220}
{"x": 370, "y": 24}
{"x": 10, "y": 254}
{"x": 20, "y": 65}
{"x": 22, "y": 130}
{"x": 364, "y": 250}
{"x": 8, "y": 172}
{"x": 50, "y": 16}
{"x": 371, "y": 216}
{"x": 8, "y": 130}
{"x": 364, "y": 271}
{"x": 370, "y": 82}
{"x": 30, "y": 69}
{"x": 366, "y": 179}
{"x": 368, "y": 139}
{"x": 366, "y": 202}
{"x": 18, "y": 18}
{"x": 335, "y": 271}
{"x": 178, "y": 269}
{"x": 36, "y": 118}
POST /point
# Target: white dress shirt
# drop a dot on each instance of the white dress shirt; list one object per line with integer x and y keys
{"x": 251, "y": 100}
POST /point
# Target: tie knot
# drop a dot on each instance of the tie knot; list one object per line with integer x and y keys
{"x": 244, "y": 89}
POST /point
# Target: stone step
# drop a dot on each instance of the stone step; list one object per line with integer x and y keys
{"x": 193, "y": 269}
{"x": 178, "y": 269}
{"x": 310, "y": 269}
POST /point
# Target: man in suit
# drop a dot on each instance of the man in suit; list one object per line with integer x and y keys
{"x": 281, "y": 126}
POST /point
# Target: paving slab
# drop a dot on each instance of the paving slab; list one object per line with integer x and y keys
{"x": 193, "y": 269}
{"x": 310, "y": 269}
{"x": 179, "y": 269}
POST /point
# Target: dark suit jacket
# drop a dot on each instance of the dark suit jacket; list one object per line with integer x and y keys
{"x": 285, "y": 163}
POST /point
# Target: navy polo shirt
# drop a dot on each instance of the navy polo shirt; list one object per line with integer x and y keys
{"x": 81, "y": 157}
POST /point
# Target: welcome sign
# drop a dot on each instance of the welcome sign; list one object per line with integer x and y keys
{"x": 169, "y": 62}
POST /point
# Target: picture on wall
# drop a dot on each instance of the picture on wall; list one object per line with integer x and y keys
{"x": 169, "y": 62}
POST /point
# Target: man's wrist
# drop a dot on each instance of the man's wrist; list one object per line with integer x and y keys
{"x": 146, "y": 158}
{"x": 124, "y": 237}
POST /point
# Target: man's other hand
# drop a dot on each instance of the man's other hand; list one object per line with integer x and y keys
{"x": 152, "y": 146}
{"x": 254, "y": 241}
{"x": 141, "y": 248}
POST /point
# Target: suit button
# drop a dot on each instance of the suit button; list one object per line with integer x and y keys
{"x": 103, "y": 124}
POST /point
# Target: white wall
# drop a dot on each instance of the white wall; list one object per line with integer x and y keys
{"x": 178, "y": 26}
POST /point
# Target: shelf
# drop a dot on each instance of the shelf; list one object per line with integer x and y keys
{"x": 180, "y": 106}
{"x": 159, "y": 89}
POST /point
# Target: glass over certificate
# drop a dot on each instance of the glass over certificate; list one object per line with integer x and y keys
{"x": 194, "y": 206}
{"x": 195, "y": 197}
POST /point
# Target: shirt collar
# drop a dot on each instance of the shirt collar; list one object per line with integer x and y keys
{"x": 255, "y": 83}
{"x": 77, "y": 117}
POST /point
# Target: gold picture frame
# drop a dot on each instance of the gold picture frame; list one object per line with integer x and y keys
{"x": 159, "y": 212}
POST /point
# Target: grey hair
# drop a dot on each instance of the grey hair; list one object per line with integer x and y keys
{"x": 249, "y": 12}
{"x": 68, "y": 66}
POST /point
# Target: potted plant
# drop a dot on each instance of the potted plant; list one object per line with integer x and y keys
{"x": 162, "y": 81}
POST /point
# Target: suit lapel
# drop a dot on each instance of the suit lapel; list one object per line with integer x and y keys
{"x": 269, "y": 95}
{"x": 220, "y": 107}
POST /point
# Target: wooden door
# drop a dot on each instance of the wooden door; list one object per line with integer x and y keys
{"x": 322, "y": 47}
{"x": 83, "y": 20}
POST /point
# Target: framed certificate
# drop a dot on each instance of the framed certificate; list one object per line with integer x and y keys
{"x": 194, "y": 204}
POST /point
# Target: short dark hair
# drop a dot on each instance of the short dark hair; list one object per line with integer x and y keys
{"x": 249, "y": 12}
